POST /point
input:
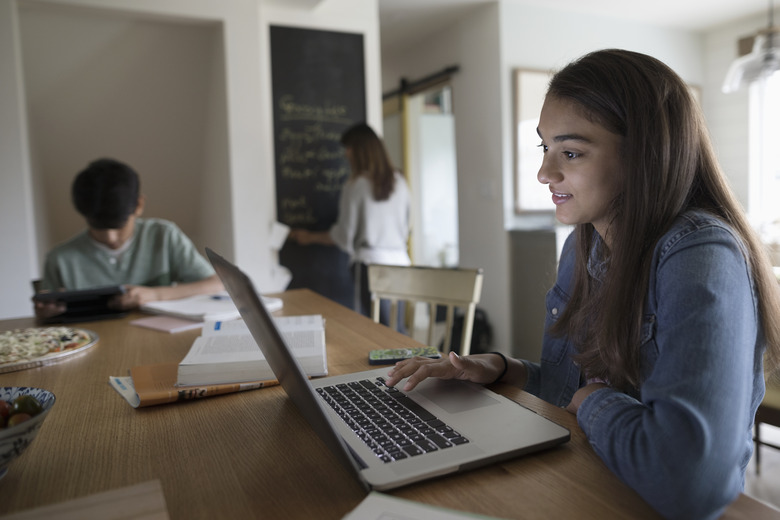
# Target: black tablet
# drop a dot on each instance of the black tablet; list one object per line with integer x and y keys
{"x": 83, "y": 304}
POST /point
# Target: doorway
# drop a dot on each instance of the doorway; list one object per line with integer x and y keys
{"x": 419, "y": 132}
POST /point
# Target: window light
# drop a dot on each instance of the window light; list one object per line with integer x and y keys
{"x": 762, "y": 62}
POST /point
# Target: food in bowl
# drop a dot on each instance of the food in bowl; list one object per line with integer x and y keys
{"x": 32, "y": 405}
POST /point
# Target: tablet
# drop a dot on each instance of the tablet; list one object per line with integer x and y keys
{"x": 83, "y": 304}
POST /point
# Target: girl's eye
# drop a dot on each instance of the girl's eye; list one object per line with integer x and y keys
{"x": 571, "y": 155}
{"x": 544, "y": 147}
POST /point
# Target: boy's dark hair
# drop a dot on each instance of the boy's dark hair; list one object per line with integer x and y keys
{"x": 106, "y": 193}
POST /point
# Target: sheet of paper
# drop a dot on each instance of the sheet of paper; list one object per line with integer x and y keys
{"x": 202, "y": 307}
{"x": 278, "y": 235}
{"x": 378, "y": 506}
{"x": 280, "y": 279}
{"x": 144, "y": 500}
{"x": 169, "y": 324}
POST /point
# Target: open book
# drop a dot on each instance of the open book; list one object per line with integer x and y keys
{"x": 226, "y": 352}
{"x": 205, "y": 307}
{"x": 150, "y": 385}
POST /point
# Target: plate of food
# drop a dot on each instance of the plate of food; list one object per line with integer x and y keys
{"x": 36, "y": 346}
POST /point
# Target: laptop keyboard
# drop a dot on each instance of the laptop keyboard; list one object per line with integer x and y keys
{"x": 387, "y": 421}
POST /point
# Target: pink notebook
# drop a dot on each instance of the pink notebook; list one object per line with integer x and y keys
{"x": 167, "y": 323}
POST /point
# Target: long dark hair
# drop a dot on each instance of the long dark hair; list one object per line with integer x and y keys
{"x": 671, "y": 167}
{"x": 369, "y": 157}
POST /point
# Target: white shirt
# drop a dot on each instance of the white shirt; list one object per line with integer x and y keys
{"x": 370, "y": 231}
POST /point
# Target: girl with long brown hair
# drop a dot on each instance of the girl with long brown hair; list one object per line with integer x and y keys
{"x": 665, "y": 311}
{"x": 373, "y": 220}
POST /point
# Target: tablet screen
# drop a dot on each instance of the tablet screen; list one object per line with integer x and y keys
{"x": 83, "y": 304}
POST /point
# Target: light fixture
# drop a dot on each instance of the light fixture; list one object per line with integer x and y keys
{"x": 762, "y": 62}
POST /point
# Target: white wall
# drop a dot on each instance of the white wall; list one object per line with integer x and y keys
{"x": 17, "y": 222}
{"x": 727, "y": 114}
{"x": 102, "y": 84}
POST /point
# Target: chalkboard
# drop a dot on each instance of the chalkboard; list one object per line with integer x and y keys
{"x": 318, "y": 82}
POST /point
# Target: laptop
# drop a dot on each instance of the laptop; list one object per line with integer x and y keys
{"x": 440, "y": 427}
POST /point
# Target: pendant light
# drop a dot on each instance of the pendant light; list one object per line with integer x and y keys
{"x": 762, "y": 62}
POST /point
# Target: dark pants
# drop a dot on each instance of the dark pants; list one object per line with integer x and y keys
{"x": 360, "y": 278}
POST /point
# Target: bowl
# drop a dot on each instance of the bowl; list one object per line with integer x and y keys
{"x": 16, "y": 439}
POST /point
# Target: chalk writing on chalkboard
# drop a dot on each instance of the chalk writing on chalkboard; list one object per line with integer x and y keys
{"x": 318, "y": 84}
{"x": 312, "y": 168}
{"x": 318, "y": 92}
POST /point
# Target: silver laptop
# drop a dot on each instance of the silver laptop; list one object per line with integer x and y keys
{"x": 440, "y": 427}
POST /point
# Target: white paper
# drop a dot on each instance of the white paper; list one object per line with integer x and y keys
{"x": 280, "y": 279}
{"x": 124, "y": 386}
{"x": 278, "y": 235}
{"x": 378, "y": 506}
{"x": 202, "y": 307}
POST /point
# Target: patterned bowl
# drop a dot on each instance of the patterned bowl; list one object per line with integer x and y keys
{"x": 14, "y": 440}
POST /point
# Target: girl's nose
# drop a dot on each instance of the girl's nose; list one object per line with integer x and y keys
{"x": 547, "y": 172}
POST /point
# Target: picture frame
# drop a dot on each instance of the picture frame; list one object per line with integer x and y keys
{"x": 529, "y": 88}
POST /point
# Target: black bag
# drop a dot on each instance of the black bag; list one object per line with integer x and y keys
{"x": 481, "y": 334}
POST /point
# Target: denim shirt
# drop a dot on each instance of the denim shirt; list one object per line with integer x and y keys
{"x": 683, "y": 439}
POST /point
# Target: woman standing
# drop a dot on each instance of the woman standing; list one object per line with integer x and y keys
{"x": 373, "y": 219}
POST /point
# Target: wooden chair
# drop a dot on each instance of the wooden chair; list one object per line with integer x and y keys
{"x": 445, "y": 287}
{"x": 768, "y": 413}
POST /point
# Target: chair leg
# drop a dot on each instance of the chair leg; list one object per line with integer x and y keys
{"x": 394, "y": 315}
{"x": 757, "y": 455}
{"x": 432, "y": 325}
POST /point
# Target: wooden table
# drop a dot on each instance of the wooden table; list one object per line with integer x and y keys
{"x": 251, "y": 454}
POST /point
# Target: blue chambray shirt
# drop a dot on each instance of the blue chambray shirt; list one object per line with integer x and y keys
{"x": 683, "y": 439}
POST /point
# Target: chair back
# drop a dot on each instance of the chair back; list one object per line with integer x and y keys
{"x": 447, "y": 287}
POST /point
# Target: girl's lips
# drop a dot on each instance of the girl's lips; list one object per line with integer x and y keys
{"x": 559, "y": 198}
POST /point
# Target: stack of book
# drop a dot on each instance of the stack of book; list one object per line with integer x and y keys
{"x": 225, "y": 358}
{"x": 227, "y": 353}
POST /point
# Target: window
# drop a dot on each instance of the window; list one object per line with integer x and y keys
{"x": 764, "y": 157}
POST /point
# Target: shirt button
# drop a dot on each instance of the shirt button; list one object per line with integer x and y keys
{"x": 112, "y": 261}
{"x": 554, "y": 311}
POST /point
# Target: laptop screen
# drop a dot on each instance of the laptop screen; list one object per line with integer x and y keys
{"x": 284, "y": 365}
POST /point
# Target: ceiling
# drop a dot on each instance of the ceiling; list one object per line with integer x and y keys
{"x": 403, "y": 22}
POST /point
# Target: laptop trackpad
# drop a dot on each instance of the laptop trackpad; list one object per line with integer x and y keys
{"x": 454, "y": 396}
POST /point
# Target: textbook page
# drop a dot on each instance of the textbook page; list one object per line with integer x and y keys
{"x": 227, "y": 352}
{"x": 205, "y": 307}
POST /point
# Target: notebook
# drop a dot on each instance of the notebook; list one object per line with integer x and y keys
{"x": 454, "y": 425}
